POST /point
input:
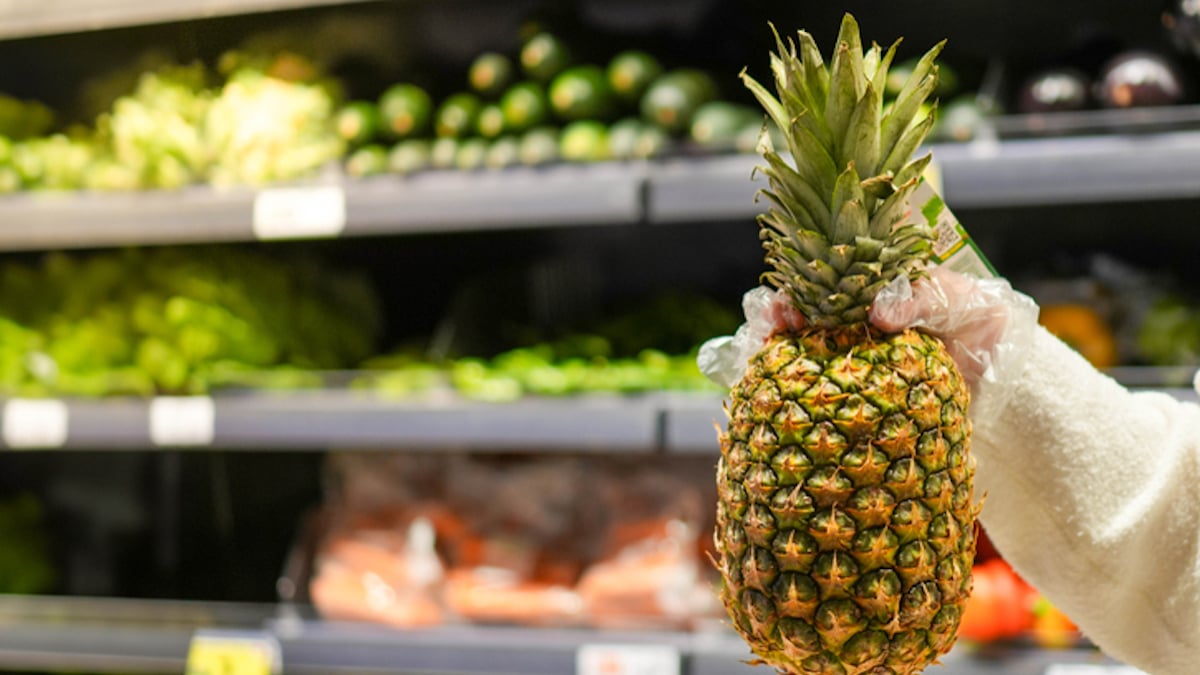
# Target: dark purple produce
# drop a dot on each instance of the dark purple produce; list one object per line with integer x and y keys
{"x": 1181, "y": 18}
{"x": 1138, "y": 78}
{"x": 1053, "y": 90}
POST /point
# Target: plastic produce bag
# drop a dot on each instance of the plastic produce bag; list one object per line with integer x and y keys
{"x": 649, "y": 572}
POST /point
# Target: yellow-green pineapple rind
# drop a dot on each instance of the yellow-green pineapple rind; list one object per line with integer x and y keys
{"x": 845, "y": 520}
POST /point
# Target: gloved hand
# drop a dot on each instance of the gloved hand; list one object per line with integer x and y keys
{"x": 724, "y": 359}
{"x": 985, "y": 324}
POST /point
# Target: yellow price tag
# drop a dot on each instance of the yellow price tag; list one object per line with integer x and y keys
{"x": 233, "y": 654}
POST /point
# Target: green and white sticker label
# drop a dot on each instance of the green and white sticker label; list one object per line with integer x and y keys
{"x": 953, "y": 247}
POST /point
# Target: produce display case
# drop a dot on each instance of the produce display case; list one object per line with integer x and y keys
{"x": 638, "y": 217}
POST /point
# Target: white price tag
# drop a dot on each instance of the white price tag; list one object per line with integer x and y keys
{"x": 234, "y": 653}
{"x": 35, "y": 423}
{"x": 1090, "y": 669}
{"x": 300, "y": 213}
{"x": 182, "y": 420}
{"x": 627, "y": 660}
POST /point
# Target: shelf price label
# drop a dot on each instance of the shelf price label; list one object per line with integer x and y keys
{"x": 182, "y": 420}
{"x": 300, "y": 212}
{"x": 234, "y": 653}
{"x": 1090, "y": 669}
{"x": 613, "y": 659}
{"x": 35, "y": 423}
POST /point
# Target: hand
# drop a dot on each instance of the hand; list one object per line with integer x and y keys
{"x": 974, "y": 317}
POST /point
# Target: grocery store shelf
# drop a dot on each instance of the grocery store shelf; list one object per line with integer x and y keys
{"x": 26, "y": 18}
{"x": 321, "y": 420}
{"x": 324, "y": 419}
{"x": 111, "y": 635}
{"x": 1072, "y": 170}
{"x": 1019, "y": 172}
{"x": 436, "y": 201}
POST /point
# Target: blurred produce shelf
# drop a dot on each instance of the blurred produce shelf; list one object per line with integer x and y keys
{"x": 318, "y": 420}
{"x": 27, "y": 18}
{"x": 978, "y": 174}
{"x": 110, "y": 635}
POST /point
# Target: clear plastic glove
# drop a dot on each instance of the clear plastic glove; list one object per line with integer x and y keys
{"x": 985, "y": 324}
{"x": 724, "y": 359}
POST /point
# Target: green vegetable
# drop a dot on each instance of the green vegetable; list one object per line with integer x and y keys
{"x": 471, "y": 154}
{"x": 490, "y": 74}
{"x": 673, "y": 98}
{"x": 623, "y": 137}
{"x": 456, "y": 116}
{"x": 405, "y": 109}
{"x": 717, "y": 124}
{"x": 631, "y": 72}
{"x": 369, "y": 160}
{"x": 442, "y": 152}
{"x": 543, "y": 56}
{"x": 539, "y": 146}
{"x": 409, "y": 156}
{"x": 503, "y": 152}
{"x": 358, "y": 122}
{"x": 261, "y": 129}
{"x": 490, "y": 122}
{"x": 581, "y": 92}
{"x": 584, "y": 141}
{"x": 524, "y": 106}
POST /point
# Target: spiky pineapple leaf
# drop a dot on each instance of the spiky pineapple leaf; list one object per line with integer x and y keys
{"x": 850, "y": 220}
{"x": 816, "y": 76}
{"x": 788, "y": 183}
{"x": 908, "y": 142}
{"x": 861, "y": 143}
{"x": 846, "y": 78}
{"x": 879, "y": 79}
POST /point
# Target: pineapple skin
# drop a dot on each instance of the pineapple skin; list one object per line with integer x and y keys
{"x": 846, "y": 517}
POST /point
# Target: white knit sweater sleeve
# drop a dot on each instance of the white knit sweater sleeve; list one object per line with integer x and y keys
{"x": 1092, "y": 493}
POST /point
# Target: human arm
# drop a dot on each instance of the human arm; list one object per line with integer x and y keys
{"x": 1091, "y": 491}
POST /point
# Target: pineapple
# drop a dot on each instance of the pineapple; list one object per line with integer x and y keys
{"x": 846, "y": 518}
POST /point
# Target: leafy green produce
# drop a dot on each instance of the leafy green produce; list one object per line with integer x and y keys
{"x": 157, "y": 132}
{"x": 21, "y": 119}
{"x": 53, "y": 162}
{"x": 1170, "y": 332}
{"x": 260, "y": 129}
{"x": 168, "y": 320}
{"x": 649, "y": 348}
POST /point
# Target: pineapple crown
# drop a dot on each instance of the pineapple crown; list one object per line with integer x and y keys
{"x": 837, "y": 231}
